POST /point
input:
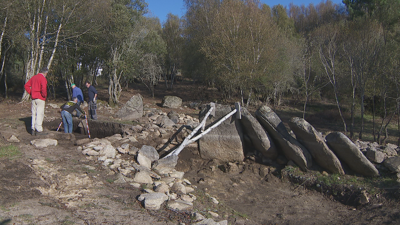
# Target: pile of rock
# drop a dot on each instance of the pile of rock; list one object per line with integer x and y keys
{"x": 156, "y": 176}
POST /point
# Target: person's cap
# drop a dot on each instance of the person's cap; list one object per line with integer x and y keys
{"x": 72, "y": 84}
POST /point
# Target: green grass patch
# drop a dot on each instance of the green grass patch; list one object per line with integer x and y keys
{"x": 109, "y": 180}
{"x": 87, "y": 170}
{"x": 9, "y": 151}
{"x": 243, "y": 215}
{"x": 66, "y": 221}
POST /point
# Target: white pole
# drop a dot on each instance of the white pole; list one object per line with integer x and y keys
{"x": 184, "y": 143}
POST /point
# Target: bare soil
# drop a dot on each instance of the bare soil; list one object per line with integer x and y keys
{"x": 59, "y": 185}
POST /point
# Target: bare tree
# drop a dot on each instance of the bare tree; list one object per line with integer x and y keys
{"x": 328, "y": 46}
{"x": 151, "y": 71}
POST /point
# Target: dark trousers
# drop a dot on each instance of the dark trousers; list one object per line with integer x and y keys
{"x": 92, "y": 110}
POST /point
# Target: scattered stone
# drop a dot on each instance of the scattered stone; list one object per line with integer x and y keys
{"x": 44, "y": 143}
{"x": 150, "y": 152}
{"x": 177, "y": 174}
{"x": 180, "y": 205}
{"x": 178, "y": 188}
{"x": 165, "y": 122}
{"x": 214, "y": 200}
{"x": 375, "y": 155}
{"x": 120, "y": 179}
{"x": 187, "y": 198}
{"x": 108, "y": 151}
{"x": 213, "y": 214}
{"x": 142, "y": 177}
{"x": 133, "y": 150}
{"x": 187, "y": 181}
{"x": 122, "y": 150}
{"x": 264, "y": 171}
{"x": 390, "y": 150}
{"x": 165, "y": 165}
{"x": 198, "y": 217}
{"x": 13, "y": 139}
{"x": 98, "y": 148}
{"x": 163, "y": 188}
{"x": 143, "y": 160}
{"x": 208, "y": 221}
{"x": 154, "y": 200}
{"x": 90, "y": 152}
{"x": 174, "y": 116}
{"x": 363, "y": 199}
{"x": 136, "y": 185}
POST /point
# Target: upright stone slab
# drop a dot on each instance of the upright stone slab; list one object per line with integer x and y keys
{"x": 291, "y": 148}
{"x": 225, "y": 141}
{"x": 133, "y": 109}
{"x": 348, "y": 152}
{"x": 315, "y": 143}
{"x": 259, "y": 137}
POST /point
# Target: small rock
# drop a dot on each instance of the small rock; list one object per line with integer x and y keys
{"x": 163, "y": 188}
{"x": 44, "y": 143}
{"x": 213, "y": 214}
{"x": 177, "y": 174}
{"x": 143, "y": 177}
{"x": 180, "y": 205}
{"x": 13, "y": 139}
{"x": 178, "y": 188}
{"x": 153, "y": 201}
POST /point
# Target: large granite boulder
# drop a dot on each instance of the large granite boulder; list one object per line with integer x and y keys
{"x": 171, "y": 102}
{"x": 291, "y": 148}
{"x": 225, "y": 141}
{"x": 349, "y": 153}
{"x": 393, "y": 164}
{"x": 315, "y": 143}
{"x": 133, "y": 109}
{"x": 259, "y": 137}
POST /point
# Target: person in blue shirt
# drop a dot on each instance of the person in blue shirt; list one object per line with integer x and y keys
{"x": 77, "y": 93}
{"x": 92, "y": 92}
{"x": 66, "y": 114}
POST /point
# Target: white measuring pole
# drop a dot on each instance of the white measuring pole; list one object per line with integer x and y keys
{"x": 188, "y": 139}
{"x": 201, "y": 125}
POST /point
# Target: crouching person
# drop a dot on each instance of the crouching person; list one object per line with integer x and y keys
{"x": 66, "y": 114}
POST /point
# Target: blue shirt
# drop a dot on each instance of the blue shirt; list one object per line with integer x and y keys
{"x": 77, "y": 92}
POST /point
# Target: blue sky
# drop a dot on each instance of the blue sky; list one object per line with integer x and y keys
{"x": 161, "y": 8}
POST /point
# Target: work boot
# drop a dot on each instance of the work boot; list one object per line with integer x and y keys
{"x": 33, "y": 132}
{"x": 40, "y": 133}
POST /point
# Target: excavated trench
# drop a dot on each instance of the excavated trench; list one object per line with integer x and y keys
{"x": 97, "y": 129}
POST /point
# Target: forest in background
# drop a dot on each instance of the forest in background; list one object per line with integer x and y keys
{"x": 345, "y": 54}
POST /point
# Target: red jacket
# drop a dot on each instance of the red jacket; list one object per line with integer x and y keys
{"x": 37, "y": 87}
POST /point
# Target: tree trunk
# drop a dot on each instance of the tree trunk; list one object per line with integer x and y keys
{"x": 5, "y": 85}
{"x": 362, "y": 117}
{"x": 55, "y": 46}
{"x": 3, "y": 30}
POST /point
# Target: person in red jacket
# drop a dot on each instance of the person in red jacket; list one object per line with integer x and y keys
{"x": 37, "y": 88}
